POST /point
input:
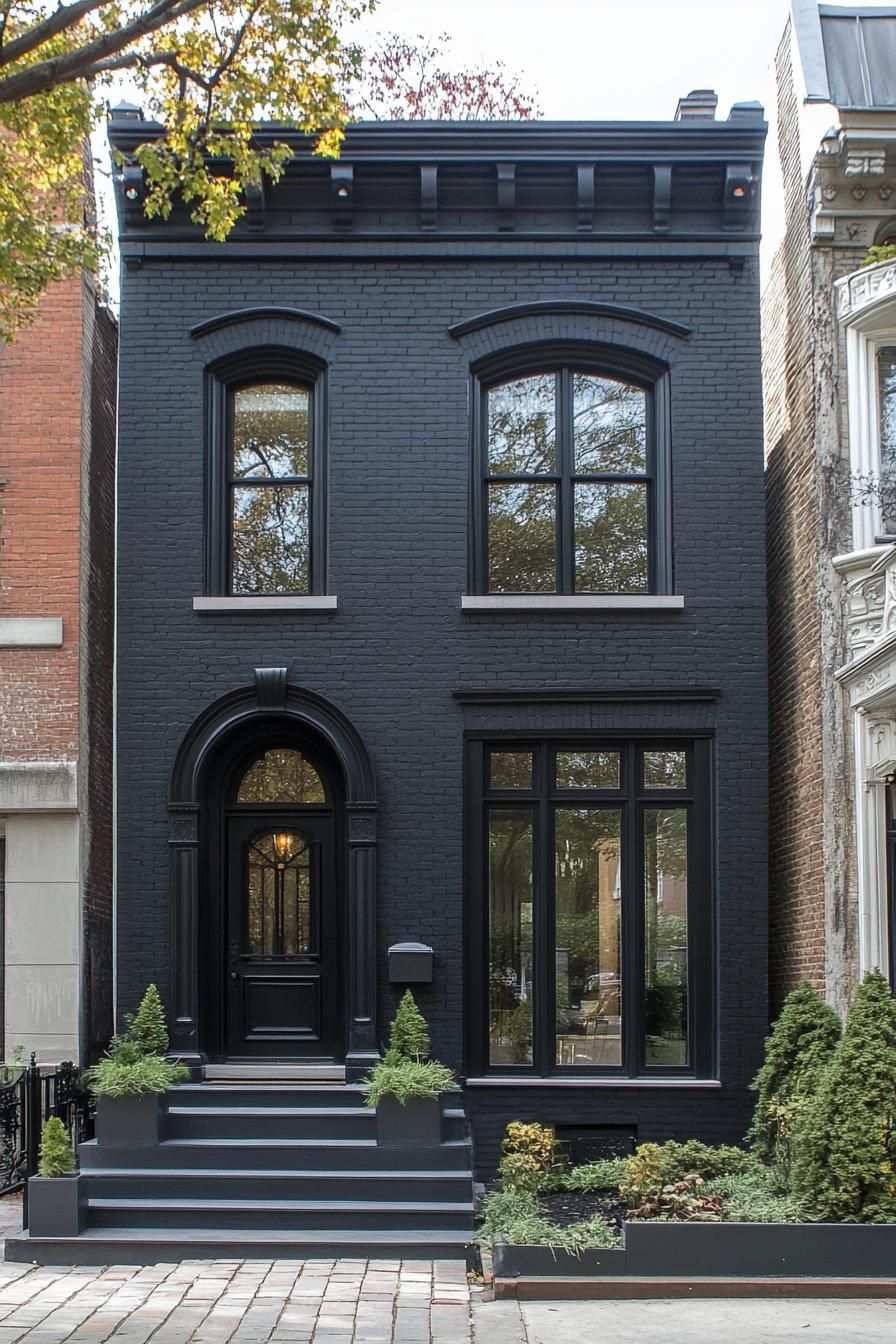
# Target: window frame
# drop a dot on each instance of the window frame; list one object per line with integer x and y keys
{"x": 633, "y": 799}
{"x": 235, "y": 372}
{"x": 600, "y": 361}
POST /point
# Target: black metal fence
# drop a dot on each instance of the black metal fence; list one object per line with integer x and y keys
{"x": 26, "y": 1101}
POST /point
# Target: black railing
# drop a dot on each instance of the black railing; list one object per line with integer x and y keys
{"x": 26, "y": 1101}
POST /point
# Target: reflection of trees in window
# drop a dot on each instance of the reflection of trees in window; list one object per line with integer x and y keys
{"x": 665, "y": 935}
{"x": 270, "y": 485}
{"x": 567, "y": 482}
{"x": 281, "y": 775}
{"x": 510, "y": 936}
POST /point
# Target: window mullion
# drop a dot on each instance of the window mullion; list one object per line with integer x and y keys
{"x": 565, "y": 465}
{"x": 632, "y": 921}
{"x": 543, "y": 931}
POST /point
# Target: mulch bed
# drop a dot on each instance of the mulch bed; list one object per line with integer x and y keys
{"x": 564, "y": 1207}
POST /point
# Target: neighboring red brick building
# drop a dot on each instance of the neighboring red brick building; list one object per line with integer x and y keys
{"x": 57, "y": 504}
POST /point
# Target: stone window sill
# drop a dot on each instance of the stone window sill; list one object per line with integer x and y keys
{"x": 238, "y": 606}
{"x": 32, "y": 632}
{"x": 556, "y": 602}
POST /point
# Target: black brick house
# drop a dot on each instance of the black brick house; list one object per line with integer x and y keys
{"x": 441, "y": 616}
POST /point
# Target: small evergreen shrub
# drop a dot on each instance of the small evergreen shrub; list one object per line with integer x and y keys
{"x": 56, "y": 1155}
{"x": 147, "y": 1029}
{"x": 406, "y": 1080}
{"x": 653, "y": 1166}
{"x": 845, "y": 1163}
{"x": 409, "y": 1035}
{"x": 114, "y": 1077}
{"x": 753, "y": 1197}
{"x": 797, "y": 1052}
{"x": 605, "y": 1174}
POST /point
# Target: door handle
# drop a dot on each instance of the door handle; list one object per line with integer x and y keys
{"x": 233, "y": 975}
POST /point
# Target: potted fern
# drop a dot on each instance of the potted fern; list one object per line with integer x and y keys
{"x": 55, "y": 1208}
{"x": 405, "y": 1087}
{"x": 129, "y": 1081}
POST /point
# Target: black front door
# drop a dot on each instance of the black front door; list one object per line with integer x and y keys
{"x": 282, "y": 972}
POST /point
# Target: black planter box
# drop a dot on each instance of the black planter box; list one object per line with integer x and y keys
{"x": 718, "y": 1250}
{"x": 128, "y": 1120}
{"x": 55, "y": 1206}
{"x": 763, "y": 1250}
{"x": 416, "y": 1124}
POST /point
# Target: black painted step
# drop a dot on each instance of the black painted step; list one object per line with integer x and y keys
{"x": 152, "y": 1246}
{"x": 265, "y": 1215}
{"x": 269, "y": 1122}
{"x": 204, "y": 1154}
{"x": 159, "y": 1183}
{"x": 261, "y": 1095}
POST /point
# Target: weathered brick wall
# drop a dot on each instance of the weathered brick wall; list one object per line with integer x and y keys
{"x": 40, "y": 464}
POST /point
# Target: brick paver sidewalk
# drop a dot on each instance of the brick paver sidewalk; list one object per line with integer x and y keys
{"x": 210, "y": 1302}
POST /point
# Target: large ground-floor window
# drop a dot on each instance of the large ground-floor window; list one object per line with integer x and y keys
{"x": 590, "y": 915}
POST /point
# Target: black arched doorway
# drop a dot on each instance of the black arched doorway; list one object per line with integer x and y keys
{"x": 273, "y": 840}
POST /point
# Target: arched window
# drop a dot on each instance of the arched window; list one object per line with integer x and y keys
{"x": 567, "y": 456}
{"x": 281, "y": 775}
{"x": 266, "y": 477}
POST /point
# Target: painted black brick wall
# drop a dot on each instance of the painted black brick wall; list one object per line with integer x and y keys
{"x": 398, "y": 503}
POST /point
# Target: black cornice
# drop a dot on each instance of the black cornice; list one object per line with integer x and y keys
{"x": 556, "y": 141}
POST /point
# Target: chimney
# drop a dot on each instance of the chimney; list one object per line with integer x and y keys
{"x": 699, "y": 105}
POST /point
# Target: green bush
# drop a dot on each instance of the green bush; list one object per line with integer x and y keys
{"x": 406, "y": 1080}
{"x": 684, "y": 1201}
{"x": 147, "y": 1030}
{"x": 654, "y": 1165}
{"x": 527, "y": 1155}
{"x": 753, "y": 1197}
{"x": 845, "y": 1163}
{"x": 605, "y": 1174}
{"x": 409, "y": 1035}
{"x": 797, "y": 1052}
{"x": 515, "y": 1216}
{"x": 880, "y": 252}
{"x": 56, "y": 1155}
{"x": 115, "y": 1077}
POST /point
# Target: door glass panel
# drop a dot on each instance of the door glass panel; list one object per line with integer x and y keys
{"x": 521, "y": 426}
{"x": 611, "y": 537}
{"x": 510, "y": 935}
{"x": 510, "y": 770}
{"x": 609, "y": 426}
{"x": 665, "y": 770}
{"x": 588, "y": 948}
{"x": 587, "y": 770}
{"x": 522, "y": 538}
{"x": 281, "y": 775}
{"x": 278, "y": 902}
{"x": 666, "y": 936}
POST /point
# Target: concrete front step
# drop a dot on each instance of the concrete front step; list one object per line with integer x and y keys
{"x": 270, "y": 1214}
{"x": 151, "y": 1246}
{"x": 233, "y": 1184}
{"x": 204, "y": 1154}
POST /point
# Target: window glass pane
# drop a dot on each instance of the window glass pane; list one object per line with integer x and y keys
{"x": 611, "y": 538}
{"x": 609, "y": 426}
{"x": 270, "y": 431}
{"x": 587, "y": 770}
{"x": 281, "y": 775}
{"x": 510, "y": 936}
{"x": 521, "y": 426}
{"x": 665, "y": 770}
{"x": 279, "y": 888}
{"x": 522, "y": 538}
{"x": 588, "y": 949}
{"x": 665, "y": 936}
{"x": 886, "y": 382}
{"x": 270, "y": 551}
{"x": 510, "y": 769}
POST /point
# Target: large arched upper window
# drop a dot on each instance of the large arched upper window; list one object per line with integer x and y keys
{"x": 266, "y": 521}
{"x": 567, "y": 457}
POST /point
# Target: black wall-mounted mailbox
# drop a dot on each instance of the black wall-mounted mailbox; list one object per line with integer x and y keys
{"x": 410, "y": 964}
